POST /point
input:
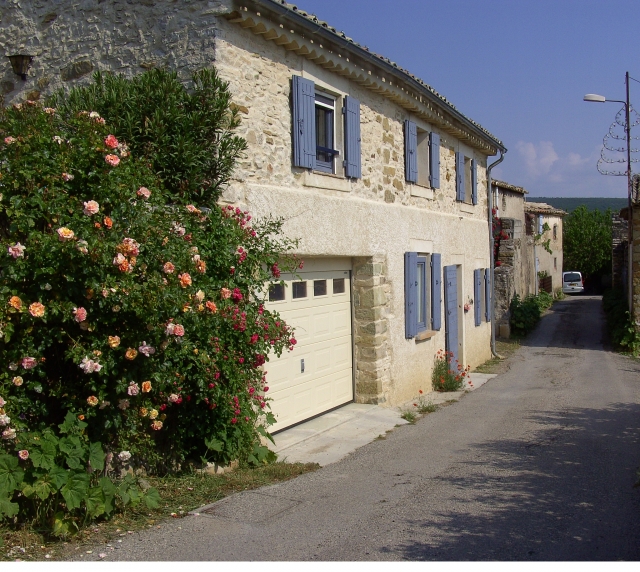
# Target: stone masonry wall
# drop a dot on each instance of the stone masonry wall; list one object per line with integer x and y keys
{"x": 620, "y": 237}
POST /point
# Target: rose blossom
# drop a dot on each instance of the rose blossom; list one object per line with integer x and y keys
{"x": 15, "y": 302}
{"x": 92, "y": 114}
{"x": 114, "y": 341}
{"x": 153, "y": 414}
{"x": 200, "y": 295}
{"x": 131, "y": 354}
{"x": 17, "y": 250}
{"x": 119, "y": 259}
{"x": 211, "y": 307}
{"x": 57, "y": 139}
{"x": 143, "y": 412}
{"x": 90, "y": 208}
{"x": 112, "y": 160}
{"x": 111, "y": 141}
{"x": 201, "y": 266}
{"x": 168, "y": 268}
{"x": 185, "y": 280}
{"x": 65, "y": 234}
{"x": 9, "y": 140}
{"x": 143, "y": 192}
{"x": 29, "y": 362}
{"x": 80, "y": 314}
{"x": 124, "y": 456}
{"x": 108, "y": 222}
{"x": 192, "y": 209}
{"x": 146, "y": 350}
{"x": 146, "y": 386}
{"x": 4, "y": 420}
{"x": 156, "y": 425}
{"x": 173, "y": 398}
{"x": 89, "y": 366}
{"x": 9, "y": 433}
{"x": 133, "y": 388}
{"x": 123, "y": 404}
{"x": 23, "y": 454}
{"x": 17, "y": 381}
{"x": 178, "y": 330}
{"x": 66, "y": 177}
{"x": 225, "y": 293}
{"x": 177, "y": 229}
{"x": 82, "y": 247}
{"x": 92, "y": 400}
{"x": 36, "y": 310}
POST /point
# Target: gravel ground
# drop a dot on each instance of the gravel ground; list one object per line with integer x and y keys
{"x": 537, "y": 464}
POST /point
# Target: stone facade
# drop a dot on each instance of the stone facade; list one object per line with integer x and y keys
{"x": 370, "y": 221}
{"x": 619, "y": 260}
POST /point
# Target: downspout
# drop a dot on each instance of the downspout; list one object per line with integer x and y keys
{"x": 491, "y": 255}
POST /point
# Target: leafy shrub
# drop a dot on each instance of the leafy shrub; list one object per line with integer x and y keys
{"x": 142, "y": 318}
{"x": 187, "y": 136}
{"x": 544, "y": 300}
{"x": 525, "y": 314}
{"x": 622, "y": 330}
{"x": 59, "y": 481}
{"x": 447, "y": 376}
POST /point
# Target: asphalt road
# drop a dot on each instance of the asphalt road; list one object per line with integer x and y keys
{"x": 537, "y": 464}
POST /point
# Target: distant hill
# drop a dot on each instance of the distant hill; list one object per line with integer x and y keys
{"x": 572, "y": 203}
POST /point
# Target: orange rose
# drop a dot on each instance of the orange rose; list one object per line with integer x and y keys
{"x": 114, "y": 341}
{"x": 92, "y": 400}
{"x": 211, "y": 307}
{"x": 15, "y": 302}
{"x": 185, "y": 280}
{"x": 36, "y": 310}
{"x": 108, "y": 222}
{"x": 131, "y": 354}
{"x": 146, "y": 386}
{"x": 143, "y": 412}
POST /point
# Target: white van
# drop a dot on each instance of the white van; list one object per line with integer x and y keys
{"x": 572, "y": 282}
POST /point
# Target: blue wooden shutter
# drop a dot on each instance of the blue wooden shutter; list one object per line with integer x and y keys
{"x": 352, "y": 164}
{"x": 474, "y": 183}
{"x": 304, "y": 122}
{"x": 477, "y": 285}
{"x": 434, "y": 160}
{"x": 487, "y": 294}
{"x": 459, "y": 176}
{"x": 451, "y": 312}
{"x": 410, "y": 294}
{"x": 411, "y": 151}
{"x": 436, "y": 291}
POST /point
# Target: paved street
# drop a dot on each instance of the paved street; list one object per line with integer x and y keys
{"x": 537, "y": 464}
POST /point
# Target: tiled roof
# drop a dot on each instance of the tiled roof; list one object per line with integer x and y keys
{"x": 313, "y": 19}
{"x": 509, "y": 187}
{"x": 543, "y": 208}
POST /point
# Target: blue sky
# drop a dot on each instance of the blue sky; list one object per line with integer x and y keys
{"x": 520, "y": 69}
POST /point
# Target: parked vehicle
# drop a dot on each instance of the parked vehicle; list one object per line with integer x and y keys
{"x": 572, "y": 282}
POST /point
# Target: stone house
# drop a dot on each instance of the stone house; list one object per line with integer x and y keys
{"x": 381, "y": 178}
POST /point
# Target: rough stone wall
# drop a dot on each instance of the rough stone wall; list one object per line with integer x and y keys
{"x": 620, "y": 238}
{"x": 635, "y": 254}
{"x": 71, "y": 39}
{"x": 546, "y": 260}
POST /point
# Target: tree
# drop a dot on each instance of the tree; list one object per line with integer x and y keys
{"x": 586, "y": 240}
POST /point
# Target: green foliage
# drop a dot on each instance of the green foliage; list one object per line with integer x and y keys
{"x": 409, "y": 416}
{"x": 586, "y": 237}
{"x": 525, "y": 314}
{"x": 56, "y": 480}
{"x": 624, "y": 334}
{"x": 546, "y": 244}
{"x": 186, "y": 135}
{"x": 544, "y": 300}
{"x": 569, "y": 204}
{"x": 447, "y": 376}
{"x": 142, "y": 317}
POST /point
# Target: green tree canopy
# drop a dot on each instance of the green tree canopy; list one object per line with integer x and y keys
{"x": 587, "y": 241}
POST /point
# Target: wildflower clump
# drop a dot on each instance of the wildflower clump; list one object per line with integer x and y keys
{"x": 448, "y": 374}
{"x": 137, "y": 315}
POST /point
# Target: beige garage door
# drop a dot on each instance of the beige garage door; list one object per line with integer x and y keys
{"x": 317, "y": 375}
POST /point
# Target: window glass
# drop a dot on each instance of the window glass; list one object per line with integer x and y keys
{"x": 423, "y": 158}
{"x": 325, "y": 117}
{"x": 319, "y": 287}
{"x": 276, "y": 293}
{"x": 338, "y": 285}
{"x": 421, "y": 293}
{"x": 299, "y": 290}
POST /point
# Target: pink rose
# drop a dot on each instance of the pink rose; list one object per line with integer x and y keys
{"x": 80, "y": 314}
{"x": 65, "y": 234}
{"x": 66, "y": 177}
{"x": 111, "y": 142}
{"x": 178, "y": 330}
{"x": 90, "y": 208}
{"x": 144, "y": 192}
{"x": 168, "y": 268}
{"x": 133, "y": 389}
{"x": 9, "y": 140}
{"x": 146, "y": 350}
{"x": 112, "y": 160}
{"x": 225, "y": 293}
{"x": 17, "y": 250}
{"x": 185, "y": 280}
{"x": 23, "y": 454}
{"x": 29, "y": 362}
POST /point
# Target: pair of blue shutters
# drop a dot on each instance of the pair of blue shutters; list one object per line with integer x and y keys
{"x": 460, "y": 186}
{"x": 478, "y": 276}
{"x": 304, "y": 128}
{"x": 411, "y": 293}
{"x": 411, "y": 155}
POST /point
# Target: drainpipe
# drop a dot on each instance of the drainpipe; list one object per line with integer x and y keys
{"x": 491, "y": 256}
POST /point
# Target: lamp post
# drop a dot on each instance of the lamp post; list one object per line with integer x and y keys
{"x": 627, "y": 127}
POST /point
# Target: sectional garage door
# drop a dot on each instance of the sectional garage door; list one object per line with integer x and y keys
{"x": 317, "y": 375}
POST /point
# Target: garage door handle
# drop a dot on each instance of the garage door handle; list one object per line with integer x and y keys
{"x": 301, "y": 366}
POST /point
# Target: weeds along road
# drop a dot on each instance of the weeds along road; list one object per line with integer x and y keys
{"x": 538, "y": 464}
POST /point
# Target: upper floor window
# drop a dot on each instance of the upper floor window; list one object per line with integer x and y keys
{"x": 315, "y": 126}
{"x": 466, "y": 179}
{"x": 422, "y": 156}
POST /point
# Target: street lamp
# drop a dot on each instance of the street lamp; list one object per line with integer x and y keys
{"x": 594, "y": 97}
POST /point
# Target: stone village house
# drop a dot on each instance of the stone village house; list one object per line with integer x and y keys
{"x": 521, "y": 261}
{"x": 380, "y": 177}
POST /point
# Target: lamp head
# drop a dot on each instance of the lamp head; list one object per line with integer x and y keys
{"x": 594, "y": 97}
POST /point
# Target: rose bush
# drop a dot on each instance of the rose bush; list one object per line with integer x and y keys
{"x": 141, "y": 317}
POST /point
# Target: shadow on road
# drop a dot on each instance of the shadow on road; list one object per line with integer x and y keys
{"x": 564, "y": 493}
